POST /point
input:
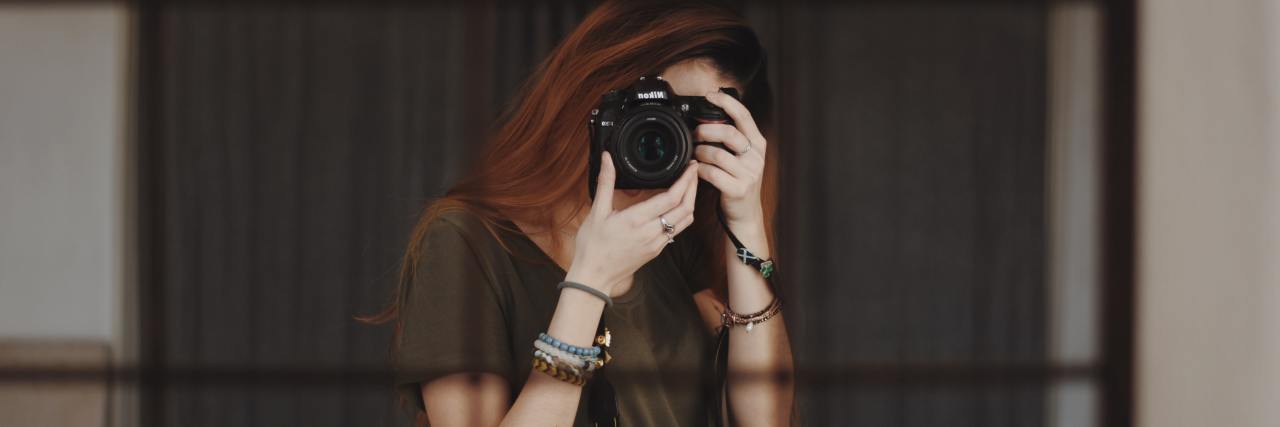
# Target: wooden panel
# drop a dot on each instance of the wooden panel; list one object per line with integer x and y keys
{"x": 56, "y": 383}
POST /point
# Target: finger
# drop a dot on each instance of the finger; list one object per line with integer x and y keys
{"x": 723, "y": 159}
{"x": 603, "y": 204}
{"x": 728, "y": 135}
{"x": 684, "y": 223}
{"x": 659, "y": 242}
{"x": 721, "y": 180}
{"x": 741, "y": 117}
{"x": 664, "y": 201}
{"x": 686, "y": 206}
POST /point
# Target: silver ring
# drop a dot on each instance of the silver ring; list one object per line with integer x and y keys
{"x": 667, "y": 227}
{"x": 745, "y": 150}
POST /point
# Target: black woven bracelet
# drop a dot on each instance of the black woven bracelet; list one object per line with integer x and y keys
{"x": 764, "y": 266}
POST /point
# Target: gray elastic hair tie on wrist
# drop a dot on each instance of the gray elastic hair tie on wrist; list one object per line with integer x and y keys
{"x": 584, "y": 288}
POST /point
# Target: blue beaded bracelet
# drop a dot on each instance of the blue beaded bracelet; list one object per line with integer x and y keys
{"x": 581, "y": 351}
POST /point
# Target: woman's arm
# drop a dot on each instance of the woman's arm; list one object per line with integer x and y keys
{"x": 608, "y": 248}
{"x": 757, "y": 393}
{"x": 545, "y": 398}
{"x": 466, "y": 399}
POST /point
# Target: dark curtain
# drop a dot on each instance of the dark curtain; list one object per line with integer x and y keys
{"x": 286, "y": 151}
{"x": 913, "y": 222}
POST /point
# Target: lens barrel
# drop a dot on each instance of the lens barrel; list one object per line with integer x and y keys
{"x": 653, "y": 144}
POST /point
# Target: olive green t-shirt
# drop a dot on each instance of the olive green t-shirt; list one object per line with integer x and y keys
{"x": 475, "y": 307}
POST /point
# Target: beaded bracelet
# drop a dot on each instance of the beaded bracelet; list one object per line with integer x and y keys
{"x": 581, "y": 351}
{"x": 582, "y": 362}
{"x": 565, "y": 361}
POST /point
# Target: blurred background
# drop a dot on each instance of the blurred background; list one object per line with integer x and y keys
{"x": 994, "y": 213}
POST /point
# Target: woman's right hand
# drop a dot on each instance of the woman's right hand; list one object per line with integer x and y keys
{"x": 611, "y": 245}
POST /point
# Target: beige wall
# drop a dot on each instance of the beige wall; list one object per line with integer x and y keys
{"x": 1072, "y": 166}
{"x": 62, "y": 70}
{"x": 1209, "y": 214}
{"x": 64, "y": 207}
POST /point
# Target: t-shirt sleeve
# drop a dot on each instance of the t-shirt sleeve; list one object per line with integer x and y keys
{"x": 451, "y": 317}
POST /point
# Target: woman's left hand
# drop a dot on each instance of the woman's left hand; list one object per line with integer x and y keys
{"x": 736, "y": 173}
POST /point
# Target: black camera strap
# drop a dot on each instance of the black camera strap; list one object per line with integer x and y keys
{"x": 602, "y": 401}
{"x": 718, "y": 395}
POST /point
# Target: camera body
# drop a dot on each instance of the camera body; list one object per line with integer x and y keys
{"x": 648, "y": 131}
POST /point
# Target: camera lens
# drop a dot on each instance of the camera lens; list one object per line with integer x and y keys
{"x": 652, "y": 145}
{"x": 653, "y": 148}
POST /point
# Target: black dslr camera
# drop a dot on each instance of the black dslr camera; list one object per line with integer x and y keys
{"x": 648, "y": 131}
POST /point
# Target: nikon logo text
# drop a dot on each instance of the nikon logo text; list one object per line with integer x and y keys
{"x": 652, "y": 95}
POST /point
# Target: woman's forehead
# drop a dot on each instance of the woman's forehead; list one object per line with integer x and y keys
{"x": 696, "y": 77}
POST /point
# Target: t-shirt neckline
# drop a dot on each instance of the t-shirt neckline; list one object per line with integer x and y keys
{"x": 638, "y": 285}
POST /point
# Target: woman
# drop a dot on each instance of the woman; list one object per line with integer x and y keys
{"x": 482, "y": 280}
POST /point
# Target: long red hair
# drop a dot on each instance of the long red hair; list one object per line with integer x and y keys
{"x": 538, "y": 156}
